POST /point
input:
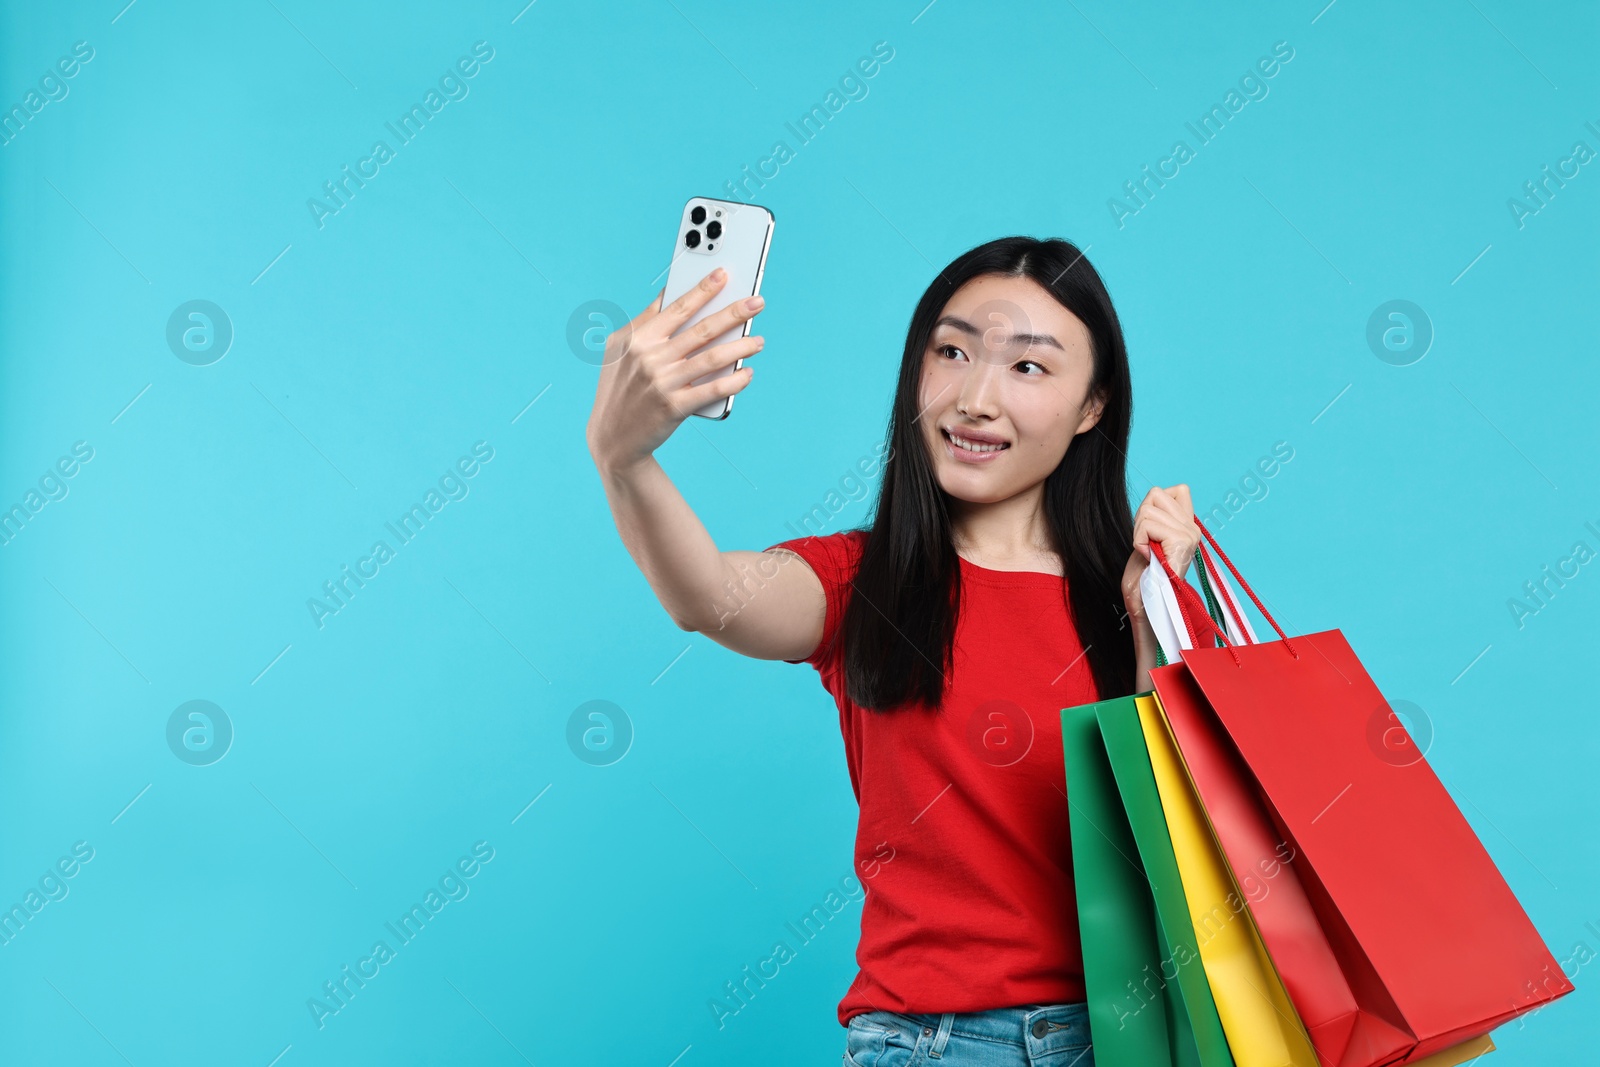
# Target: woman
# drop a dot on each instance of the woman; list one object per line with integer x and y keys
{"x": 996, "y": 584}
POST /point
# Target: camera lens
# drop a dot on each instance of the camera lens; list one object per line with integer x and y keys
{"x": 714, "y": 230}
{"x": 692, "y": 238}
{"x": 698, "y": 215}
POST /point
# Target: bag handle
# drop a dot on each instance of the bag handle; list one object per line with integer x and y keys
{"x": 1168, "y": 597}
{"x": 1173, "y": 634}
{"x": 1265, "y": 614}
{"x": 1223, "y": 608}
{"x": 1190, "y": 606}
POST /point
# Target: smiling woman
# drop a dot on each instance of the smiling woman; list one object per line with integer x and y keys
{"x": 1014, "y": 388}
{"x": 1006, "y": 347}
{"x": 994, "y": 585}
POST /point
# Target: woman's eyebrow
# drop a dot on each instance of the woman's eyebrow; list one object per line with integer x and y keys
{"x": 1028, "y": 339}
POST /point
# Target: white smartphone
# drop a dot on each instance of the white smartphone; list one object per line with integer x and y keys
{"x": 719, "y": 233}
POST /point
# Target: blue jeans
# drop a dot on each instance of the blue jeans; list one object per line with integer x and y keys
{"x": 1033, "y": 1035}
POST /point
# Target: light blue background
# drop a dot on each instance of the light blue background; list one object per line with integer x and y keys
{"x": 427, "y": 315}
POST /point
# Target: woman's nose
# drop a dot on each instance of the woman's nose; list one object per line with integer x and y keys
{"x": 980, "y": 389}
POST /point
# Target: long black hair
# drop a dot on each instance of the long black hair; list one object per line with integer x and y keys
{"x": 899, "y": 626}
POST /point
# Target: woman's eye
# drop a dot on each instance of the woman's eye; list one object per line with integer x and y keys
{"x": 1031, "y": 363}
{"x": 944, "y": 349}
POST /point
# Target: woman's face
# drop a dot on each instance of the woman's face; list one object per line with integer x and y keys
{"x": 1007, "y": 368}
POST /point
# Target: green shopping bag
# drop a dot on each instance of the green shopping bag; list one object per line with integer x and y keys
{"x": 1149, "y": 1001}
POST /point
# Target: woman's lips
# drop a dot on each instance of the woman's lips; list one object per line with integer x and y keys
{"x": 965, "y": 456}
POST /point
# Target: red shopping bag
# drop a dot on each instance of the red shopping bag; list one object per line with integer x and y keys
{"x": 1350, "y": 1018}
{"x": 1395, "y": 934}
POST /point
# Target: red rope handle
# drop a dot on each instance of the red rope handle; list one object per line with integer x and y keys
{"x": 1221, "y": 590}
{"x": 1190, "y": 605}
{"x": 1245, "y": 586}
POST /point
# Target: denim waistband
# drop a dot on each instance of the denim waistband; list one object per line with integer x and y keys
{"x": 1031, "y": 1026}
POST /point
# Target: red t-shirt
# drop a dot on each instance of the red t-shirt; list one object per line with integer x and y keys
{"x": 962, "y": 843}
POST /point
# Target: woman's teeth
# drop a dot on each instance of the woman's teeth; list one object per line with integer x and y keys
{"x": 973, "y": 446}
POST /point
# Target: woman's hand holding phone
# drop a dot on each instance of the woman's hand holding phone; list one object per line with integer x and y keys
{"x": 644, "y": 390}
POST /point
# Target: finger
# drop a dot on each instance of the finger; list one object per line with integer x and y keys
{"x": 712, "y": 359}
{"x": 714, "y": 326}
{"x": 644, "y": 316}
{"x": 1176, "y": 542}
{"x": 1150, "y": 505}
{"x": 680, "y": 310}
{"x": 1151, "y": 510}
{"x": 1158, "y": 497}
{"x": 700, "y": 395}
{"x": 1163, "y": 503}
{"x": 1141, "y": 534}
{"x": 1175, "y": 503}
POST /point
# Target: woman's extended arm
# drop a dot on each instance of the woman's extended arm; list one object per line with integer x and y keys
{"x": 766, "y": 605}
{"x": 643, "y": 395}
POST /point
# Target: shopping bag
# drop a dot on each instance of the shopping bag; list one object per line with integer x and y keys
{"x": 1257, "y": 1015}
{"x": 1347, "y": 1029}
{"x": 1287, "y": 923}
{"x": 1149, "y": 1003}
{"x": 1407, "y": 922}
{"x": 1342, "y": 1003}
{"x": 1209, "y": 879}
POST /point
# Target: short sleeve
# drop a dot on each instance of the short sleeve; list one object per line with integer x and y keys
{"x": 834, "y": 557}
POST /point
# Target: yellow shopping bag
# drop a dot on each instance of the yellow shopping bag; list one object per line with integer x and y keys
{"x": 1261, "y": 1024}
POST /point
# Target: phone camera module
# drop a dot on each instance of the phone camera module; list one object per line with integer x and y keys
{"x": 698, "y": 215}
{"x": 714, "y": 230}
{"x": 692, "y": 238}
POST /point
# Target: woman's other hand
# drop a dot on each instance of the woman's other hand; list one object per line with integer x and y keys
{"x": 1167, "y": 517}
